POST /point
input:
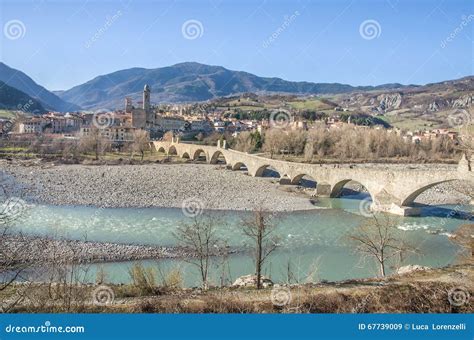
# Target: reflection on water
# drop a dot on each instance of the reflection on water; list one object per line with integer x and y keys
{"x": 313, "y": 243}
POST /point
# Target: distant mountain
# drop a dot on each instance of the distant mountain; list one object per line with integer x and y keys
{"x": 13, "y": 99}
{"x": 24, "y": 83}
{"x": 190, "y": 82}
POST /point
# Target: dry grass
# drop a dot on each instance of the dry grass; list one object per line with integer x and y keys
{"x": 399, "y": 298}
{"x": 419, "y": 292}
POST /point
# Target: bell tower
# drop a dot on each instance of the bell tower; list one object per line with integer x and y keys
{"x": 150, "y": 115}
{"x": 146, "y": 98}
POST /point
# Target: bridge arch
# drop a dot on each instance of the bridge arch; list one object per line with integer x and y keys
{"x": 216, "y": 156}
{"x": 304, "y": 180}
{"x": 411, "y": 197}
{"x": 172, "y": 150}
{"x": 260, "y": 172}
{"x": 185, "y": 155}
{"x": 161, "y": 149}
{"x": 239, "y": 166}
{"x": 336, "y": 189}
{"x": 199, "y": 153}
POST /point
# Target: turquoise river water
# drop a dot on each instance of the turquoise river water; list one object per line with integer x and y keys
{"x": 313, "y": 244}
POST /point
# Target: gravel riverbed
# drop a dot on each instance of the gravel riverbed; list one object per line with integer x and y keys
{"x": 175, "y": 185}
{"x": 41, "y": 250}
{"x": 151, "y": 185}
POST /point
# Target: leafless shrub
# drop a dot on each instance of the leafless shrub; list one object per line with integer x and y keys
{"x": 140, "y": 144}
{"x": 143, "y": 279}
{"x": 170, "y": 280}
{"x": 380, "y": 240}
{"x": 259, "y": 229}
{"x": 247, "y": 141}
{"x": 199, "y": 236}
{"x": 95, "y": 143}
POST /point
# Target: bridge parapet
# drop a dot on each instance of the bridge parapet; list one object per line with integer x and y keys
{"x": 392, "y": 189}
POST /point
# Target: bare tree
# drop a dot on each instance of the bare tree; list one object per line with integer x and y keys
{"x": 380, "y": 240}
{"x": 273, "y": 141}
{"x": 94, "y": 142}
{"x": 296, "y": 141}
{"x": 199, "y": 236}
{"x": 243, "y": 142}
{"x": 70, "y": 150}
{"x": 247, "y": 141}
{"x": 141, "y": 142}
{"x": 260, "y": 230}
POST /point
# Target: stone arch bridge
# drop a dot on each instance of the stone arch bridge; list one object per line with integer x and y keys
{"x": 392, "y": 188}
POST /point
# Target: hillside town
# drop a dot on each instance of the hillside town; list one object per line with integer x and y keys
{"x": 187, "y": 121}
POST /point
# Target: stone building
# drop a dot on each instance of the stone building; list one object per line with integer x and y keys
{"x": 116, "y": 134}
{"x": 143, "y": 117}
{"x": 150, "y": 114}
{"x": 32, "y": 125}
{"x": 138, "y": 118}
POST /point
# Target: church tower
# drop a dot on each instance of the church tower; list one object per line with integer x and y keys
{"x": 146, "y": 98}
{"x": 150, "y": 115}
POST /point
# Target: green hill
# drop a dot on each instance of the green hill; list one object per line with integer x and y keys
{"x": 13, "y": 99}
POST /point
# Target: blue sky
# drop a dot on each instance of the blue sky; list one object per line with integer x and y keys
{"x": 61, "y": 44}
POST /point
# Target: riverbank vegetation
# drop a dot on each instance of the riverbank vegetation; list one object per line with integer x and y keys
{"x": 418, "y": 292}
{"x": 346, "y": 144}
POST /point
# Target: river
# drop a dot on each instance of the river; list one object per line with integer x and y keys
{"x": 313, "y": 245}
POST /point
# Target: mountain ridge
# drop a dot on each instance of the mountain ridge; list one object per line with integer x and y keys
{"x": 24, "y": 83}
{"x": 191, "y": 82}
{"x": 14, "y": 99}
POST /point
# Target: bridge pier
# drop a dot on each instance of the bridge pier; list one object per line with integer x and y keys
{"x": 323, "y": 189}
